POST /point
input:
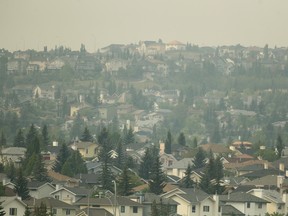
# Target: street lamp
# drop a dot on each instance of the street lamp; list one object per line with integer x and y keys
{"x": 115, "y": 197}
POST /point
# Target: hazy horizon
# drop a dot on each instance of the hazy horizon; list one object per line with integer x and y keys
{"x": 33, "y": 24}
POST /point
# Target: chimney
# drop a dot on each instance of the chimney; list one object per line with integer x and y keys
{"x": 265, "y": 165}
{"x": 281, "y": 167}
{"x": 280, "y": 180}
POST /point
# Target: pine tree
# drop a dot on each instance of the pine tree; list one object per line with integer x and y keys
{"x": 10, "y": 170}
{"x": 63, "y": 155}
{"x": 86, "y": 136}
{"x": 121, "y": 157}
{"x": 27, "y": 211}
{"x": 107, "y": 177}
{"x": 3, "y": 140}
{"x": 45, "y": 137}
{"x": 41, "y": 210}
{"x": 157, "y": 179}
{"x": 195, "y": 142}
{"x": 182, "y": 139}
{"x": 19, "y": 140}
{"x": 104, "y": 139}
{"x": 129, "y": 139}
{"x": 74, "y": 165}
{"x": 39, "y": 170}
{"x": 199, "y": 160}
{"x": 154, "y": 209}
{"x": 21, "y": 186}
{"x": 2, "y": 211}
{"x": 32, "y": 142}
{"x": 187, "y": 181}
{"x": 168, "y": 143}
{"x": 147, "y": 162}
{"x": 125, "y": 186}
{"x": 279, "y": 146}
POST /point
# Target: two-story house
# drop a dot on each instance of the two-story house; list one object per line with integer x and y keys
{"x": 40, "y": 190}
{"x": 69, "y": 195}
{"x": 246, "y": 203}
{"x": 194, "y": 202}
{"x": 123, "y": 206}
{"x": 86, "y": 149}
{"x": 13, "y": 206}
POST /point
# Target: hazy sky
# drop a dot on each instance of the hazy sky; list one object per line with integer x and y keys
{"x": 97, "y": 23}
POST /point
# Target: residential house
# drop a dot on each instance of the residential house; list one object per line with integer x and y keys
{"x": 86, "y": 149}
{"x": 107, "y": 112}
{"x": 70, "y": 195}
{"x": 16, "y": 66}
{"x": 13, "y": 206}
{"x": 216, "y": 149}
{"x": 179, "y": 167}
{"x": 246, "y": 203}
{"x": 59, "y": 179}
{"x": 147, "y": 200}
{"x": 175, "y": 45}
{"x": 40, "y": 190}
{"x": 12, "y": 154}
{"x": 277, "y": 202}
{"x": 96, "y": 167}
{"x": 193, "y": 201}
{"x": 167, "y": 160}
{"x": 54, "y": 206}
{"x": 114, "y": 65}
{"x": 123, "y": 206}
{"x": 55, "y": 65}
{"x": 149, "y": 48}
{"x": 269, "y": 181}
{"x": 93, "y": 212}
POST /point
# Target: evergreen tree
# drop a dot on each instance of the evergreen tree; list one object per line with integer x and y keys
{"x": 41, "y": 210}
{"x": 21, "y": 186}
{"x": 107, "y": 177}
{"x": 182, "y": 139}
{"x": 187, "y": 181}
{"x": 199, "y": 160}
{"x": 121, "y": 157}
{"x": 104, "y": 139}
{"x": 76, "y": 128}
{"x": 154, "y": 209}
{"x": 147, "y": 162}
{"x": 86, "y": 136}
{"x": 279, "y": 146}
{"x": 74, "y": 165}
{"x": 195, "y": 142}
{"x": 157, "y": 179}
{"x": 39, "y": 170}
{"x": 63, "y": 155}
{"x": 2, "y": 189}
{"x": 2, "y": 211}
{"x": 32, "y": 142}
{"x": 129, "y": 138}
{"x": 168, "y": 143}
{"x": 3, "y": 140}
{"x": 19, "y": 140}
{"x": 10, "y": 170}
{"x": 27, "y": 211}
{"x": 45, "y": 137}
{"x": 125, "y": 184}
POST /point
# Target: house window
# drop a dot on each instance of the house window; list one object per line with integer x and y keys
{"x": 205, "y": 208}
{"x": 57, "y": 197}
{"x": 259, "y": 205}
{"x": 13, "y": 211}
{"x": 248, "y": 204}
{"x": 193, "y": 208}
{"x": 135, "y": 209}
{"x": 86, "y": 151}
{"x": 54, "y": 211}
{"x": 122, "y": 209}
{"x": 67, "y": 211}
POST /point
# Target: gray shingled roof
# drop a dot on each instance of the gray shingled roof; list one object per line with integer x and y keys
{"x": 182, "y": 164}
{"x": 193, "y": 195}
{"x": 266, "y": 180}
{"x": 151, "y": 197}
{"x": 49, "y": 202}
{"x": 241, "y": 197}
{"x": 96, "y": 212}
{"x": 230, "y": 210}
{"x": 107, "y": 202}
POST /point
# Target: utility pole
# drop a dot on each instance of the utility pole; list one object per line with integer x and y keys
{"x": 115, "y": 197}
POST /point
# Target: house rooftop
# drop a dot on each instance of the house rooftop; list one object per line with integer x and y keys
{"x": 241, "y": 197}
{"x": 107, "y": 201}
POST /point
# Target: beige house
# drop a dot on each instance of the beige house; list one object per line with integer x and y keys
{"x": 69, "y": 195}
{"x": 40, "y": 190}
{"x": 86, "y": 149}
{"x": 178, "y": 168}
{"x": 194, "y": 202}
{"x": 123, "y": 207}
{"x": 13, "y": 206}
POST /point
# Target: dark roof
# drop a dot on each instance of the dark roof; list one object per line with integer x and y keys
{"x": 49, "y": 202}
{"x": 241, "y": 197}
{"x": 230, "y": 210}
{"x": 35, "y": 184}
{"x": 90, "y": 178}
{"x": 78, "y": 191}
{"x": 96, "y": 212}
{"x": 172, "y": 178}
{"x": 252, "y": 167}
{"x": 262, "y": 173}
{"x": 151, "y": 197}
{"x": 107, "y": 201}
{"x": 193, "y": 195}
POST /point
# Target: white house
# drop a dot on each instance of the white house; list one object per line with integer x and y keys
{"x": 194, "y": 202}
{"x": 13, "y": 206}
